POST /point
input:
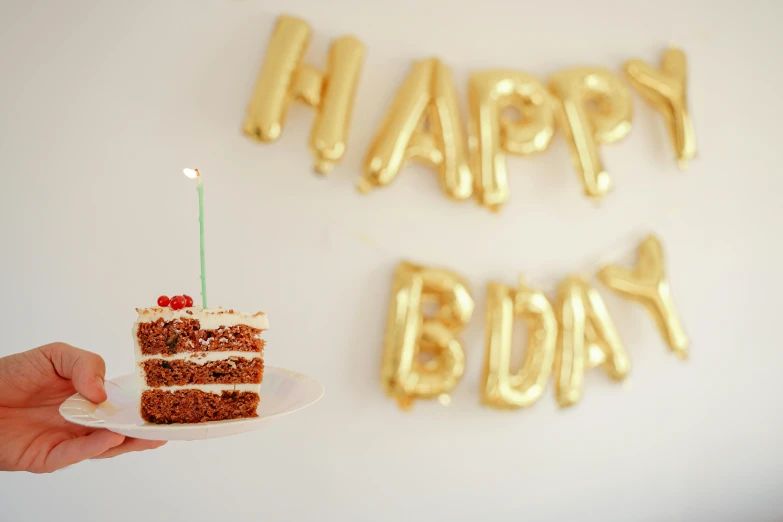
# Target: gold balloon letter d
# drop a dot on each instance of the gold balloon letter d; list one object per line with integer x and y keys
{"x": 404, "y": 375}
{"x": 501, "y": 389}
{"x": 284, "y": 78}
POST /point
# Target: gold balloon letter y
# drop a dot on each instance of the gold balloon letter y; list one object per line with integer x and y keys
{"x": 647, "y": 284}
{"x": 665, "y": 91}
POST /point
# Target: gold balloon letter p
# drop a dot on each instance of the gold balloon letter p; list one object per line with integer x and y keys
{"x": 490, "y": 94}
{"x": 595, "y": 107}
{"x": 284, "y": 78}
{"x": 405, "y": 376}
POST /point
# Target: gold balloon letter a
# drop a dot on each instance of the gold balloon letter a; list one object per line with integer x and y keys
{"x": 404, "y": 375}
{"x": 665, "y": 91}
{"x": 595, "y": 107}
{"x": 500, "y": 389}
{"x": 490, "y": 93}
{"x": 647, "y": 284}
{"x": 587, "y": 339}
{"x": 428, "y": 97}
{"x": 284, "y": 78}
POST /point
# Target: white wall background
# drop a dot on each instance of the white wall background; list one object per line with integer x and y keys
{"x": 103, "y": 102}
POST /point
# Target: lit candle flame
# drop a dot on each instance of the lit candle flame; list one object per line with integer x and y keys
{"x": 191, "y": 173}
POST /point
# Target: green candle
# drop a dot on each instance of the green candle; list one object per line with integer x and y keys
{"x": 195, "y": 174}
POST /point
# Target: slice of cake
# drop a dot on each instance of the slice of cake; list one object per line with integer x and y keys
{"x": 198, "y": 365}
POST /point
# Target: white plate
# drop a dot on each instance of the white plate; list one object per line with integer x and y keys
{"x": 282, "y": 392}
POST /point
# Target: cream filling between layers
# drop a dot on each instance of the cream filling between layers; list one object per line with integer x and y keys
{"x": 202, "y": 357}
{"x": 209, "y": 388}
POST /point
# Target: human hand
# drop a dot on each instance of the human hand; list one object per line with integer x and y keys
{"x": 33, "y": 435}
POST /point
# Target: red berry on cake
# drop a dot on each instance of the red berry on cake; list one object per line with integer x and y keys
{"x": 188, "y": 301}
{"x": 177, "y": 302}
{"x": 163, "y": 300}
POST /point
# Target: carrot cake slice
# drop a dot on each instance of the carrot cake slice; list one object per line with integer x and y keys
{"x": 198, "y": 365}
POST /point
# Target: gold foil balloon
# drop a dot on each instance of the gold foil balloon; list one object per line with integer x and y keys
{"x": 427, "y": 97}
{"x": 587, "y": 339}
{"x": 595, "y": 108}
{"x": 491, "y": 95}
{"x": 647, "y": 284}
{"x": 664, "y": 89}
{"x": 284, "y": 78}
{"x": 500, "y": 388}
{"x": 404, "y": 375}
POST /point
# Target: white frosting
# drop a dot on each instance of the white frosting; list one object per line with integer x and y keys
{"x": 203, "y": 357}
{"x": 209, "y": 388}
{"x": 209, "y": 318}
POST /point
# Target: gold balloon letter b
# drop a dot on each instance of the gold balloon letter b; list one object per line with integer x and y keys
{"x": 405, "y": 376}
{"x": 284, "y": 77}
{"x": 501, "y": 389}
{"x": 595, "y": 107}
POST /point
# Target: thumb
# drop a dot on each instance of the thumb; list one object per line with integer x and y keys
{"x": 85, "y": 369}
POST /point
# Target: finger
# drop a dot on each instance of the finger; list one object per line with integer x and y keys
{"x": 82, "y": 448}
{"x": 130, "y": 445}
{"x": 85, "y": 369}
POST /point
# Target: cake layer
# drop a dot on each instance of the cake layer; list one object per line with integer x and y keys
{"x": 187, "y": 335}
{"x": 191, "y": 405}
{"x": 180, "y": 372}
